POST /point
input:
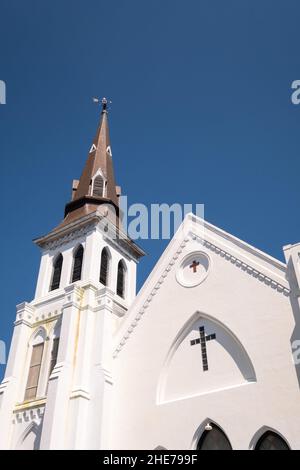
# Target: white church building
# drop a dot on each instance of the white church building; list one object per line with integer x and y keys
{"x": 203, "y": 357}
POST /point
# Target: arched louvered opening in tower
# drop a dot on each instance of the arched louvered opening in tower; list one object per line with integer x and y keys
{"x": 56, "y": 275}
{"x": 98, "y": 186}
{"x": 121, "y": 279}
{"x": 104, "y": 267}
{"x": 77, "y": 266}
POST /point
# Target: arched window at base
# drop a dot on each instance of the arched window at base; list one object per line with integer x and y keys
{"x": 271, "y": 441}
{"x": 36, "y": 352}
{"x": 213, "y": 439}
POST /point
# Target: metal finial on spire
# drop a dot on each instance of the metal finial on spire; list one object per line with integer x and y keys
{"x": 104, "y": 103}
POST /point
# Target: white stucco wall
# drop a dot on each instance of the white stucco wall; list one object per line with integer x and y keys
{"x": 255, "y": 308}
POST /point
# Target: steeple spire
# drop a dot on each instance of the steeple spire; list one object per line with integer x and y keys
{"x": 100, "y": 158}
{"x": 97, "y": 182}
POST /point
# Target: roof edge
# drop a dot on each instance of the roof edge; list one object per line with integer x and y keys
{"x": 237, "y": 241}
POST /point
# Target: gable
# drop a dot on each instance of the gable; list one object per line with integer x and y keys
{"x": 205, "y": 244}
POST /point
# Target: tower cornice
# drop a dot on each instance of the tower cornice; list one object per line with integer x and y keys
{"x": 62, "y": 234}
{"x": 80, "y": 227}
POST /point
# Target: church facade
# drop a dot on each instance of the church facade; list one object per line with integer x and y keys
{"x": 204, "y": 357}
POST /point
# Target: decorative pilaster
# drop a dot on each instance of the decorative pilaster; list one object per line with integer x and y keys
{"x": 60, "y": 382}
{"x": 10, "y": 388}
{"x": 80, "y": 399}
{"x": 105, "y": 319}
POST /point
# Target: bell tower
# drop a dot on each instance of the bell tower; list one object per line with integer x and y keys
{"x": 58, "y": 382}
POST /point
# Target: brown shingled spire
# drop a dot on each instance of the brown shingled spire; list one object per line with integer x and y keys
{"x": 99, "y": 162}
{"x": 99, "y": 158}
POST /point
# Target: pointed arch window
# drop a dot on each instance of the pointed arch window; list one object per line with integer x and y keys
{"x": 56, "y": 275}
{"x": 213, "y": 438}
{"x": 77, "y": 267}
{"x": 98, "y": 186}
{"x": 121, "y": 279}
{"x": 34, "y": 371}
{"x": 104, "y": 267}
{"x": 271, "y": 441}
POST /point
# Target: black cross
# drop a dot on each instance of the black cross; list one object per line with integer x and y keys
{"x": 194, "y": 266}
{"x": 202, "y": 340}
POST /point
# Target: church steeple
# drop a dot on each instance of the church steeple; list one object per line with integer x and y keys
{"x": 97, "y": 182}
{"x": 60, "y": 370}
{"x": 95, "y": 189}
{"x": 100, "y": 158}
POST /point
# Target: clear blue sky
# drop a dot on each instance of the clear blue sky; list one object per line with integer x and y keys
{"x": 201, "y": 114}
